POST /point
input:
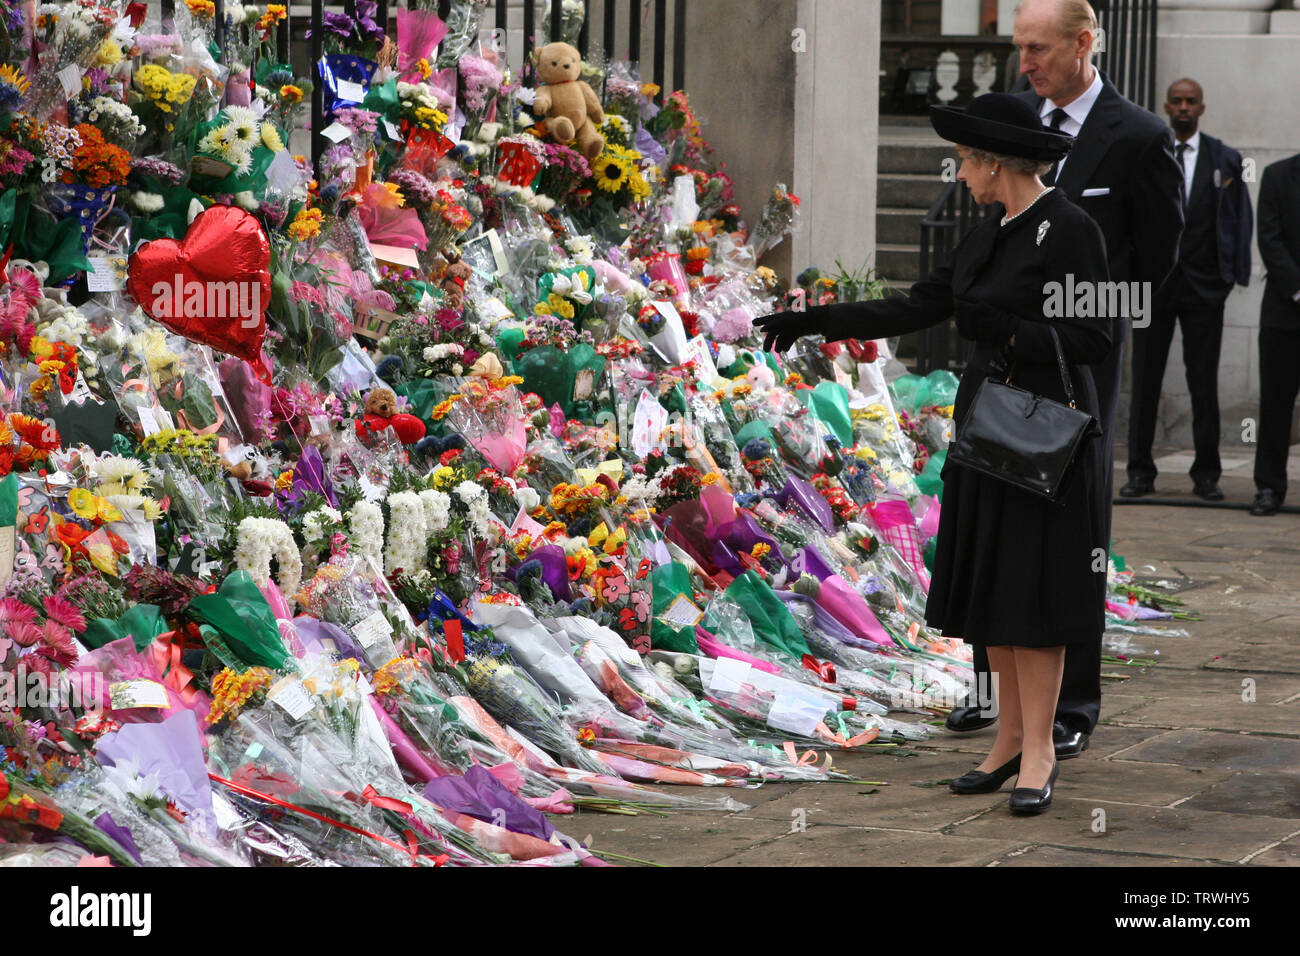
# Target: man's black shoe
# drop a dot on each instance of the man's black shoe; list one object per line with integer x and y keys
{"x": 1208, "y": 490}
{"x": 1137, "y": 487}
{"x": 1068, "y": 743}
{"x": 1266, "y": 502}
{"x": 963, "y": 720}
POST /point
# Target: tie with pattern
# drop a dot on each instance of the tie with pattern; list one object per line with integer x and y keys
{"x": 1058, "y": 117}
{"x": 1181, "y": 150}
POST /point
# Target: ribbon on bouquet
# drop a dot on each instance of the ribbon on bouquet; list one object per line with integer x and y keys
{"x": 167, "y": 651}
{"x": 410, "y": 847}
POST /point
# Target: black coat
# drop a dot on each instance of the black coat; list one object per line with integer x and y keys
{"x": 1279, "y": 243}
{"x": 1128, "y": 152}
{"x": 1011, "y": 568}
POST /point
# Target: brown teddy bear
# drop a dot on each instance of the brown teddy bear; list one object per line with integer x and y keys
{"x": 382, "y": 413}
{"x": 452, "y": 283}
{"x": 571, "y": 109}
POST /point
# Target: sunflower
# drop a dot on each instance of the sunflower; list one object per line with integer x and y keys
{"x": 13, "y": 87}
{"x": 611, "y": 174}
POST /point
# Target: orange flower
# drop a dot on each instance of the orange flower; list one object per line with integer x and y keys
{"x": 33, "y": 431}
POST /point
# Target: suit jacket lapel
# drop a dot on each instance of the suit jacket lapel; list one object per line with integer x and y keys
{"x": 1207, "y": 160}
{"x": 1099, "y": 130}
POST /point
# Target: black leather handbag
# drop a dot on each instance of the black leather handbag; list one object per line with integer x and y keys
{"x": 1021, "y": 438}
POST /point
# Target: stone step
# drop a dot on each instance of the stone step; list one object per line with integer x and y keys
{"x": 899, "y": 225}
{"x": 914, "y": 158}
{"x": 908, "y": 190}
{"x": 897, "y": 262}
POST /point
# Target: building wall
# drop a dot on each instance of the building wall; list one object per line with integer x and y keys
{"x": 1244, "y": 78}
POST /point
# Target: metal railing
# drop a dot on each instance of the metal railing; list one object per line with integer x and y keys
{"x": 1129, "y": 57}
{"x": 636, "y": 15}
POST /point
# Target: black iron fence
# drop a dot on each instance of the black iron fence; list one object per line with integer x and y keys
{"x": 635, "y": 17}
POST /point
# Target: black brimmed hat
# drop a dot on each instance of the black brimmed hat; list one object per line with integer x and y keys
{"x": 1003, "y": 124}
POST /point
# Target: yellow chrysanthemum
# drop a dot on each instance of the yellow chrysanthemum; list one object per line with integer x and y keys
{"x": 271, "y": 138}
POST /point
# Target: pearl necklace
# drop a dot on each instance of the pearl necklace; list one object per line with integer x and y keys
{"x": 1032, "y": 202}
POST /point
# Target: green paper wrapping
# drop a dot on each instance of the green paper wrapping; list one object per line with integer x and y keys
{"x": 666, "y": 582}
{"x": 244, "y": 620}
{"x": 508, "y": 341}
{"x": 9, "y": 500}
{"x": 382, "y": 99}
{"x": 142, "y": 624}
{"x": 38, "y": 237}
{"x": 830, "y": 403}
{"x": 769, "y": 618}
{"x": 755, "y": 429}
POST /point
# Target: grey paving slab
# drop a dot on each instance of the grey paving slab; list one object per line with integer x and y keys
{"x": 1232, "y": 715}
{"x": 1263, "y": 794}
{"x": 1120, "y": 781}
{"x": 1177, "y": 832}
{"x": 1071, "y": 856}
{"x": 1200, "y": 748}
{"x": 683, "y": 839}
{"x": 845, "y": 846}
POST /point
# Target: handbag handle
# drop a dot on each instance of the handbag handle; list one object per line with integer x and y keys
{"x": 1060, "y": 362}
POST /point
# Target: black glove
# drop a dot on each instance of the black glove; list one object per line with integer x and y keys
{"x": 982, "y": 323}
{"x": 782, "y": 328}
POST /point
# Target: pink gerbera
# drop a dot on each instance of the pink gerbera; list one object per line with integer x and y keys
{"x": 23, "y": 633}
{"x": 14, "y": 611}
{"x": 65, "y": 613}
{"x": 58, "y": 643}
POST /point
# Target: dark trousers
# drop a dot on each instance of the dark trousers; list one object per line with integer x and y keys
{"x": 1079, "y": 705}
{"x": 1279, "y": 383}
{"x": 1202, "y": 325}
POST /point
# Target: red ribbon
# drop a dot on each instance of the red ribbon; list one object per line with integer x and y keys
{"x": 136, "y": 13}
{"x": 823, "y": 669}
{"x": 410, "y": 847}
{"x": 167, "y": 650}
{"x": 4, "y": 263}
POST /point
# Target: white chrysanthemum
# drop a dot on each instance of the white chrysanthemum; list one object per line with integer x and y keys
{"x": 437, "y": 510}
{"x": 314, "y": 523}
{"x": 126, "y": 474}
{"x": 366, "y": 524}
{"x": 407, "y": 542}
{"x": 245, "y": 124}
{"x": 258, "y": 540}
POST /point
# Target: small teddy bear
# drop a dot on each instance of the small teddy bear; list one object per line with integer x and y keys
{"x": 453, "y": 280}
{"x": 570, "y": 107}
{"x": 381, "y": 412}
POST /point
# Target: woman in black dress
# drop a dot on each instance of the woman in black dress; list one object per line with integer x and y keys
{"x": 1017, "y": 573}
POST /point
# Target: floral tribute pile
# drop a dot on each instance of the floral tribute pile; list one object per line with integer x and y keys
{"x": 386, "y": 511}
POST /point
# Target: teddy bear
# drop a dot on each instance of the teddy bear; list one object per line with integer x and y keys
{"x": 381, "y": 412}
{"x": 452, "y": 283}
{"x": 570, "y": 107}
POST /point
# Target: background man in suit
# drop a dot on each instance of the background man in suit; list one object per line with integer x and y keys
{"x": 1122, "y": 172}
{"x": 1279, "y": 329}
{"x": 1213, "y": 254}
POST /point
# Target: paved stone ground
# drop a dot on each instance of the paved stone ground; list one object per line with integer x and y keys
{"x": 1181, "y": 771}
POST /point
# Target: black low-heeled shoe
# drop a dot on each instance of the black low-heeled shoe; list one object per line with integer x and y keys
{"x": 1026, "y": 800}
{"x": 977, "y": 781}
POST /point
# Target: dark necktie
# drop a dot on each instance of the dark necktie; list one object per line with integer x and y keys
{"x": 1181, "y": 150}
{"x": 1058, "y": 117}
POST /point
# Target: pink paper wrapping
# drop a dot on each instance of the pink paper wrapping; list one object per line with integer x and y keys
{"x": 410, "y": 758}
{"x": 848, "y": 607}
{"x": 418, "y": 32}
{"x": 714, "y": 648}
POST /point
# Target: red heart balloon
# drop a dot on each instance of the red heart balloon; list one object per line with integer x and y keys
{"x": 213, "y": 286}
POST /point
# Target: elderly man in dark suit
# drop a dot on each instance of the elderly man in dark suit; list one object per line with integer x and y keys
{"x": 1279, "y": 329}
{"x": 1214, "y": 254}
{"x": 1122, "y": 172}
